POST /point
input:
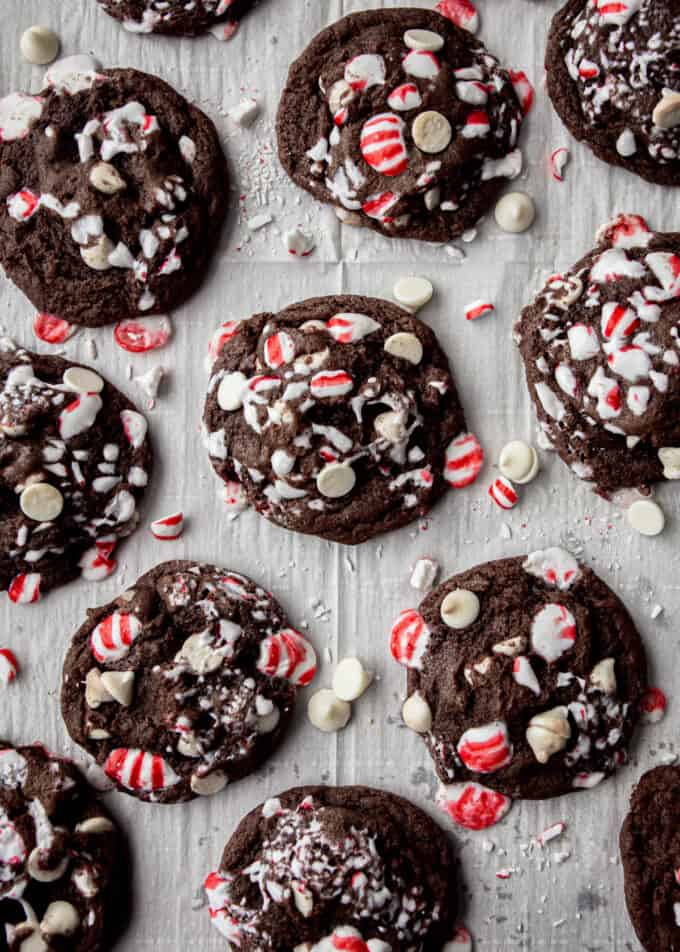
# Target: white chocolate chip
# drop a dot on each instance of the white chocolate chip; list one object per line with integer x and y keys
{"x": 666, "y": 113}
{"x": 245, "y": 113}
{"x": 460, "y": 608}
{"x": 511, "y": 647}
{"x": 209, "y": 785}
{"x": 120, "y": 685}
{"x": 327, "y": 712}
{"x": 61, "y": 918}
{"x": 646, "y": 517}
{"x": 198, "y": 653}
{"x": 98, "y": 733}
{"x": 390, "y": 426}
{"x": 603, "y": 676}
{"x": 95, "y": 825}
{"x": 82, "y": 380}
{"x": 336, "y": 480}
{"x": 231, "y": 389}
{"x": 431, "y": 131}
{"x": 519, "y": 462}
{"x": 340, "y": 95}
{"x": 423, "y": 40}
{"x": 39, "y": 872}
{"x": 95, "y": 692}
{"x": 105, "y": 178}
{"x": 548, "y": 733}
{"x": 42, "y": 502}
{"x": 413, "y": 293}
{"x": 405, "y": 345}
{"x": 39, "y": 45}
{"x": 417, "y": 714}
{"x": 669, "y": 457}
{"x": 350, "y": 679}
{"x": 96, "y": 256}
{"x": 515, "y": 212}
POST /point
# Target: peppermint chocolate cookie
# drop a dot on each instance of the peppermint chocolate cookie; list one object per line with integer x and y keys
{"x": 527, "y": 674}
{"x": 601, "y": 352}
{"x": 178, "y": 17}
{"x": 325, "y": 868}
{"x": 402, "y": 121}
{"x": 612, "y": 72}
{"x": 650, "y": 851}
{"x": 185, "y": 682}
{"x": 58, "y": 849}
{"x": 74, "y": 462}
{"x": 338, "y": 416}
{"x": 112, "y": 193}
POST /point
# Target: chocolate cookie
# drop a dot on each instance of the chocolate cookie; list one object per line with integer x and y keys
{"x": 600, "y": 348}
{"x": 185, "y": 682}
{"x": 328, "y": 868}
{"x": 612, "y": 71}
{"x": 530, "y": 672}
{"x": 112, "y": 193}
{"x": 178, "y": 17}
{"x": 650, "y": 850}
{"x": 58, "y": 855}
{"x": 403, "y": 121}
{"x": 338, "y": 416}
{"x": 74, "y": 461}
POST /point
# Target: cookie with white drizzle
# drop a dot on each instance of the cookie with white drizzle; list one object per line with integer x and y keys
{"x": 184, "y": 683}
{"x": 112, "y": 193}
{"x": 401, "y": 120}
{"x": 612, "y": 72}
{"x": 177, "y": 17}
{"x": 532, "y": 671}
{"x": 75, "y": 459}
{"x": 335, "y": 415}
{"x": 323, "y": 868}
{"x": 601, "y": 353}
{"x": 58, "y": 856}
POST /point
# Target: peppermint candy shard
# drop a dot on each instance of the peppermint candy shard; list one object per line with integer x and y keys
{"x": 138, "y": 770}
{"x": 523, "y": 89}
{"x": 349, "y": 328}
{"x": 461, "y": 12}
{"x": 654, "y": 704}
{"x": 382, "y": 144}
{"x": 25, "y": 589}
{"x": 555, "y": 566}
{"x": 135, "y": 427}
{"x": 113, "y": 636}
{"x": 96, "y": 563}
{"x": 473, "y": 805}
{"x": 168, "y": 528}
{"x": 9, "y": 666}
{"x": 409, "y": 638}
{"x": 221, "y": 337}
{"x": 503, "y": 493}
{"x": 464, "y": 460}
{"x": 139, "y": 335}
{"x": 485, "y": 749}
{"x": 288, "y": 655}
{"x": 51, "y": 329}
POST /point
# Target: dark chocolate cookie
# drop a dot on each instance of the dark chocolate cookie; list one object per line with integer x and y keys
{"x": 178, "y": 17}
{"x": 601, "y": 353}
{"x": 338, "y": 416}
{"x": 613, "y": 77}
{"x": 403, "y": 121}
{"x": 58, "y": 856}
{"x": 112, "y": 193}
{"x": 328, "y": 868}
{"x": 530, "y": 673}
{"x": 75, "y": 459}
{"x": 185, "y": 682}
{"x": 650, "y": 851}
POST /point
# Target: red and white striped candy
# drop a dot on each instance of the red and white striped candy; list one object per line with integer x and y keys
{"x": 23, "y": 205}
{"x": 79, "y": 415}
{"x": 383, "y": 145}
{"x": 348, "y": 328}
{"x": 558, "y": 163}
{"x": 235, "y": 497}
{"x": 503, "y": 493}
{"x": 618, "y": 320}
{"x": 288, "y": 655}
{"x": 630, "y": 362}
{"x": 134, "y": 427}
{"x": 236, "y": 587}
{"x": 409, "y": 638}
{"x": 553, "y": 631}
{"x": 422, "y": 64}
{"x": 221, "y": 337}
{"x": 478, "y": 309}
{"x": 331, "y": 383}
{"x": 472, "y": 805}
{"x": 617, "y": 12}
{"x": 625, "y": 231}
{"x": 9, "y": 666}
{"x": 169, "y": 527}
{"x": 485, "y": 749}
{"x": 112, "y": 638}
{"x": 476, "y": 125}
{"x": 461, "y": 941}
{"x": 51, "y": 329}
{"x": 96, "y": 563}
{"x": 666, "y": 268}
{"x": 654, "y": 704}
{"x": 378, "y": 205}
{"x": 588, "y": 70}
{"x": 583, "y": 342}
{"x": 279, "y": 349}
{"x": 464, "y": 460}
{"x": 404, "y": 97}
{"x": 523, "y": 89}
{"x": 525, "y": 675}
{"x": 25, "y": 589}
{"x": 473, "y": 92}
{"x": 461, "y": 12}
{"x": 263, "y": 383}
{"x": 364, "y": 71}
{"x": 218, "y": 889}
{"x": 141, "y": 334}
{"x": 138, "y": 770}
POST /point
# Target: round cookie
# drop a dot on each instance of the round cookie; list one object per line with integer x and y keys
{"x": 323, "y": 868}
{"x": 187, "y": 681}
{"x": 58, "y": 856}
{"x": 601, "y": 353}
{"x": 335, "y": 415}
{"x": 178, "y": 17}
{"x": 650, "y": 852}
{"x": 402, "y": 121}
{"x": 75, "y": 459}
{"x": 112, "y": 194}
{"x": 532, "y": 671}
{"x": 612, "y": 72}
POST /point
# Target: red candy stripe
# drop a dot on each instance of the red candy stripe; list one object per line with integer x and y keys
{"x": 279, "y": 349}
{"x": 478, "y": 309}
{"x": 9, "y": 666}
{"x": 503, "y": 493}
{"x": 523, "y": 89}
{"x": 140, "y": 335}
{"x": 331, "y": 383}
{"x": 139, "y": 770}
{"x": 382, "y": 144}
{"x": 485, "y": 749}
{"x": 461, "y": 12}
{"x": 654, "y": 704}
{"x": 409, "y": 638}
{"x": 169, "y": 528}
{"x": 51, "y": 329}
{"x": 112, "y": 638}
{"x": 287, "y": 655}
{"x": 472, "y": 805}
{"x": 464, "y": 460}
{"x": 25, "y": 589}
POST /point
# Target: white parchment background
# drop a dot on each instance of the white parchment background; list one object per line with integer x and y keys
{"x": 348, "y": 597}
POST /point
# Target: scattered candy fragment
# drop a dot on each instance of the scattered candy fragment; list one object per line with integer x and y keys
{"x": 464, "y": 460}
{"x": 245, "y": 113}
{"x": 413, "y": 293}
{"x": 558, "y": 163}
{"x": 523, "y": 89}
{"x": 39, "y": 45}
{"x": 9, "y": 666}
{"x": 519, "y": 462}
{"x": 51, "y": 329}
{"x": 552, "y": 833}
{"x": 473, "y": 805}
{"x": 424, "y": 574}
{"x": 150, "y": 381}
{"x": 461, "y": 12}
{"x": 327, "y": 712}
{"x": 503, "y": 493}
{"x": 298, "y": 242}
{"x": 139, "y": 770}
{"x": 168, "y": 528}
{"x": 138, "y": 335}
{"x": 515, "y": 212}
{"x": 654, "y": 704}
{"x": 478, "y": 309}
{"x": 460, "y": 942}
{"x": 25, "y": 589}
{"x": 409, "y": 638}
{"x": 350, "y": 679}
{"x": 646, "y": 517}
{"x": 259, "y": 221}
